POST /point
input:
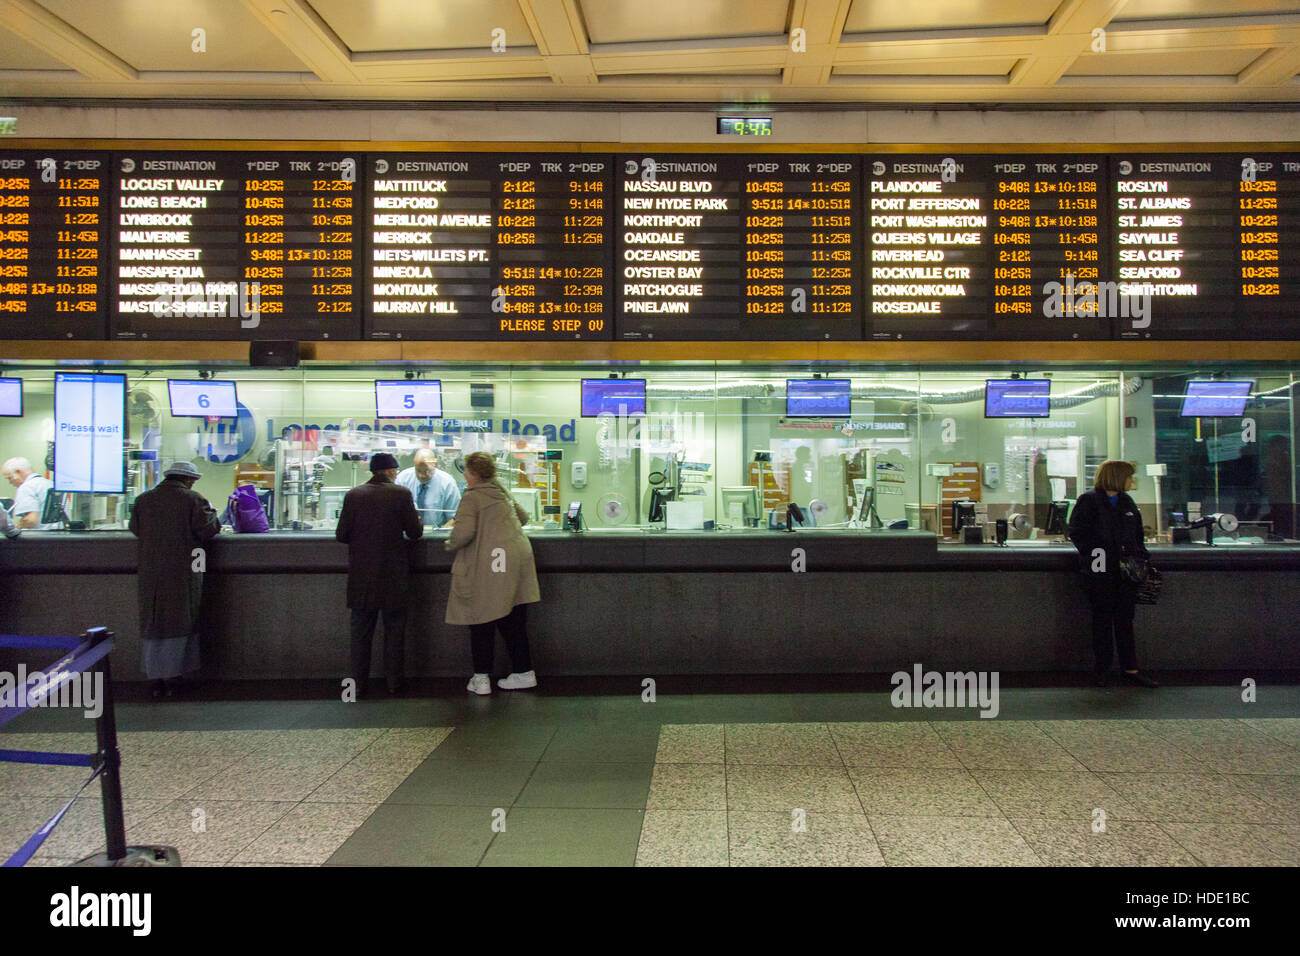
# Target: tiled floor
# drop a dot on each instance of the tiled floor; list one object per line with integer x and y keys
{"x": 1062, "y": 777}
{"x": 219, "y": 797}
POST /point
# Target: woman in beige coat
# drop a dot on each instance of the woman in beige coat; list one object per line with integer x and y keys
{"x": 493, "y": 578}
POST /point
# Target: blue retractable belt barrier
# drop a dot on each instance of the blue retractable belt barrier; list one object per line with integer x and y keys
{"x": 84, "y": 654}
{"x": 45, "y": 756}
{"x": 66, "y": 668}
{"x": 26, "y": 851}
{"x": 56, "y": 643}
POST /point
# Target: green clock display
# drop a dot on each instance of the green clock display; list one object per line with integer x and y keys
{"x": 744, "y": 126}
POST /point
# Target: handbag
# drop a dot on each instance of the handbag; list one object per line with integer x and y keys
{"x": 246, "y": 512}
{"x": 1143, "y": 577}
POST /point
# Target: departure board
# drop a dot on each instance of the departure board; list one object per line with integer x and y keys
{"x": 967, "y": 246}
{"x": 53, "y": 244}
{"x": 1268, "y": 245}
{"x": 1176, "y": 243}
{"x": 414, "y": 245}
{"x": 232, "y": 245}
{"x": 735, "y": 247}
{"x": 1210, "y": 241}
{"x": 489, "y": 246}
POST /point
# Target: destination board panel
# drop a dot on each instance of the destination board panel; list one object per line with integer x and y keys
{"x": 489, "y": 246}
{"x": 230, "y": 245}
{"x": 735, "y": 247}
{"x": 966, "y": 247}
{"x": 54, "y": 226}
{"x": 1176, "y": 243}
{"x": 1268, "y": 245}
{"x": 1210, "y": 240}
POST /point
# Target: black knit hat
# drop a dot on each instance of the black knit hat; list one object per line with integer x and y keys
{"x": 382, "y": 461}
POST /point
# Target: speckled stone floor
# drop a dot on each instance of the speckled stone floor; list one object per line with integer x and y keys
{"x": 1070, "y": 777}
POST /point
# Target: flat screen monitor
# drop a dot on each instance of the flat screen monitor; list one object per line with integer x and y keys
{"x": 529, "y": 499}
{"x": 613, "y": 396}
{"x": 11, "y": 398}
{"x": 963, "y": 514}
{"x": 1057, "y": 512}
{"x": 658, "y": 498}
{"x": 199, "y": 398}
{"x": 89, "y": 432}
{"x": 1017, "y": 398}
{"x": 740, "y": 503}
{"x": 408, "y": 398}
{"x": 1224, "y": 399}
{"x": 817, "y": 398}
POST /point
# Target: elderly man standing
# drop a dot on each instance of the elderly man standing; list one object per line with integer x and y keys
{"x": 30, "y": 497}
{"x": 374, "y": 518}
{"x": 434, "y": 492}
{"x": 171, "y": 521}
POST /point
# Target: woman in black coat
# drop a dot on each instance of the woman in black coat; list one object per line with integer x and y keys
{"x": 1106, "y": 527}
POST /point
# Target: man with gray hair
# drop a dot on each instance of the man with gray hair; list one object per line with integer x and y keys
{"x": 29, "y": 500}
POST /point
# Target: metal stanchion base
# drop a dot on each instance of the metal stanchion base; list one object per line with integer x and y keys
{"x": 136, "y": 856}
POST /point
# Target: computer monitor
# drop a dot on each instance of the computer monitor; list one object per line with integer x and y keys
{"x": 528, "y": 499}
{"x": 740, "y": 504}
{"x": 963, "y": 514}
{"x": 1221, "y": 399}
{"x": 613, "y": 396}
{"x": 817, "y": 398}
{"x": 1057, "y": 512}
{"x": 868, "y": 510}
{"x": 11, "y": 398}
{"x": 408, "y": 398}
{"x": 1018, "y": 398}
{"x": 202, "y": 398}
{"x": 658, "y": 498}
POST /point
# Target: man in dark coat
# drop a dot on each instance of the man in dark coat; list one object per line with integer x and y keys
{"x": 171, "y": 521}
{"x": 374, "y": 518}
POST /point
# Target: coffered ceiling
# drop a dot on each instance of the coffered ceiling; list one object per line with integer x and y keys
{"x": 922, "y": 52}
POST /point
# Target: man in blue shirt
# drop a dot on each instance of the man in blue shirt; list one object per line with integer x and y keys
{"x": 29, "y": 500}
{"x": 435, "y": 493}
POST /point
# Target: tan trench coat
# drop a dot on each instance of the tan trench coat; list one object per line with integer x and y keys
{"x": 486, "y": 587}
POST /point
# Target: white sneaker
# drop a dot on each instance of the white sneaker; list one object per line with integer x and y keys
{"x": 518, "y": 681}
{"x": 479, "y": 684}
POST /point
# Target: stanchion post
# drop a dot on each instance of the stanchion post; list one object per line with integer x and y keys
{"x": 111, "y": 780}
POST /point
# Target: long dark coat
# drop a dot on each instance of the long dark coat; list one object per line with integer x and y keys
{"x": 371, "y": 524}
{"x": 1116, "y": 529}
{"x": 170, "y": 521}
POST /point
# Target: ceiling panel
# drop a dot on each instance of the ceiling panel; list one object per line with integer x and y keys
{"x": 372, "y": 26}
{"x": 953, "y": 66}
{"x": 1180, "y": 63}
{"x": 16, "y": 53}
{"x": 875, "y": 16}
{"x": 638, "y": 21}
{"x": 157, "y": 34}
{"x": 917, "y": 52}
{"x": 1173, "y": 9}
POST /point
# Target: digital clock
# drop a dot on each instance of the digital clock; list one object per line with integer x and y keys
{"x": 744, "y": 126}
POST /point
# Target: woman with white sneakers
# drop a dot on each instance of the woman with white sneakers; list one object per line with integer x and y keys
{"x": 493, "y": 578}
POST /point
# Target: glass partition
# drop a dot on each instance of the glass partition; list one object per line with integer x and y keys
{"x": 725, "y": 446}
